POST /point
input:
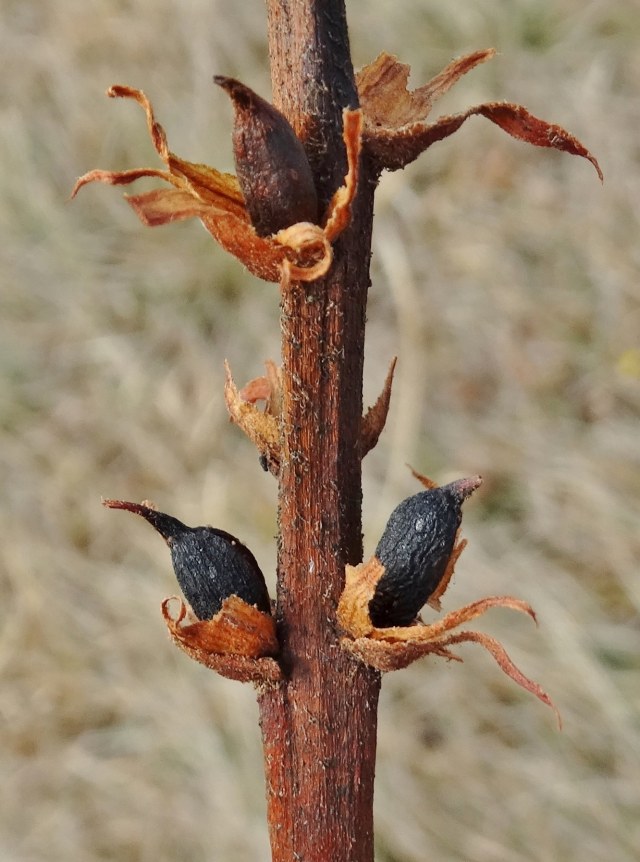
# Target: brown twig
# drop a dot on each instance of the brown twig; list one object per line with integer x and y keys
{"x": 319, "y": 727}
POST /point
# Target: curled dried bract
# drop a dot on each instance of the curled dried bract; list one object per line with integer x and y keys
{"x": 239, "y": 642}
{"x": 304, "y": 249}
{"x": 396, "y": 130}
{"x": 261, "y": 427}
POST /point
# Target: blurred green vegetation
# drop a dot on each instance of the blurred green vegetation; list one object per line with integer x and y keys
{"x": 507, "y": 281}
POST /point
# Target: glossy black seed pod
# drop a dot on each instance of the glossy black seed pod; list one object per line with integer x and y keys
{"x": 271, "y": 164}
{"x": 415, "y": 549}
{"x": 210, "y": 564}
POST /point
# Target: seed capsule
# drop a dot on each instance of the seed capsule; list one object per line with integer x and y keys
{"x": 210, "y": 564}
{"x": 271, "y": 164}
{"x": 415, "y": 550}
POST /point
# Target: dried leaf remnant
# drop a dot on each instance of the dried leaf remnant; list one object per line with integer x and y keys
{"x": 261, "y": 427}
{"x": 396, "y": 130}
{"x": 239, "y": 642}
{"x": 304, "y": 248}
{"x": 375, "y": 418}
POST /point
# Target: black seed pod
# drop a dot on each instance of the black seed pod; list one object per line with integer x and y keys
{"x": 415, "y": 550}
{"x": 210, "y": 564}
{"x": 271, "y": 164}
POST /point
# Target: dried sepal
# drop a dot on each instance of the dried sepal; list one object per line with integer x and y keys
{"x": 360, "y": 586}
{"x": 505, "y": 664}
{"x": 424, "y": 480}
{"x": 386, "y": 99}
{"x": 434, "y": 631}
{"x": 238, "y": 628}
{"x": 303, "y": 249}
{"x": 394, "y": 648}
{"x": 338, "y": 216}
{"x": 387, "y": 657}
{"x": 267, "y": 388}
{"x": 353, "y": 607}
{"x": 375, "y": 418}
{"x": 239, "y": 642}
{"x": 263, "y": 429}
{"x": 396, "y": 131}
{"x": 311, "y": 251}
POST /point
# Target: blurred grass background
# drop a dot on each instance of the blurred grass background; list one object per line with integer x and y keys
{"x": 507, "y": 280}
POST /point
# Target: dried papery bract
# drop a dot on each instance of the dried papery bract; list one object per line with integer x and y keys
{"x": 262, "y": 427}
{"x": 395, "y": 128}
{"x": 239, "y": 642}
{"x": 375, "y": 418}
{"x": 267, "y": 388}
{"x": 200, "y": 191}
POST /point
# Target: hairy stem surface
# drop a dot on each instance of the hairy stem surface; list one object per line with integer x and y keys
{"x": 319, "y": 727}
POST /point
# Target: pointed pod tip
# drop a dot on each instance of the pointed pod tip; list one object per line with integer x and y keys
{"x": 241, "y": 95}
{"x": 271, "y": 166}
{"x": 223, "y": 81}
{"x": 463, "y": 488}
{"x": 168, "y": 526}
{"x": 136, "y": 508}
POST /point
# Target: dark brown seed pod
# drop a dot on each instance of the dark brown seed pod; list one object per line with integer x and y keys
{"x": 415, "y": 550}
{"x": 271, "y": 164}
{"x": 210, "y": 564}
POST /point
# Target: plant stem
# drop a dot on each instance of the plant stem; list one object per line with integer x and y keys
{"x": 319, "y": 727}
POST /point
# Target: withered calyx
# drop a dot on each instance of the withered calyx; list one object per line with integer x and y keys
{"x": 413, "y": 564}
{"x": 231, "y": 628}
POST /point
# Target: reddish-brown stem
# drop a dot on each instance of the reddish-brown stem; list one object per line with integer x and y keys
{"x": 319, "y": 726}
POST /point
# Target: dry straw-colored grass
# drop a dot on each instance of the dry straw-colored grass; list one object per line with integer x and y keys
{"x": 507, "y": 280}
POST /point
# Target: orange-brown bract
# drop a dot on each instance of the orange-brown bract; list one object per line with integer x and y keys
{"x": 210, "y": 564}
{"x": 414, "y": 549}
{"x": 271, "y": 164}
